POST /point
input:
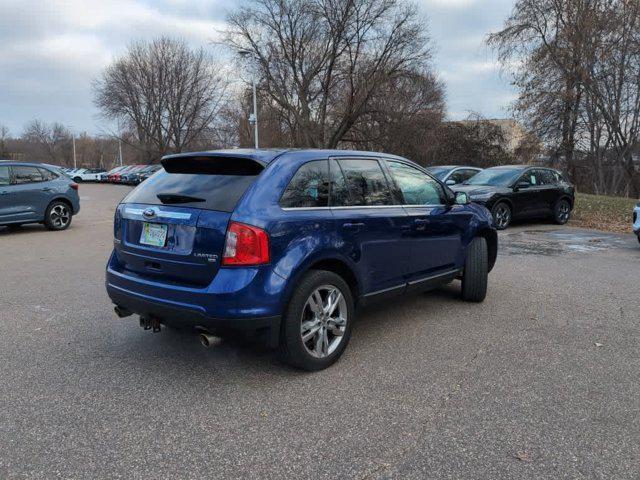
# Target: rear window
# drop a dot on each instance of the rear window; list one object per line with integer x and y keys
{"x": 200, "y": 185}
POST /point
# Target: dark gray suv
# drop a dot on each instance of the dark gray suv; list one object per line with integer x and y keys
{"x": 36, "y": 193}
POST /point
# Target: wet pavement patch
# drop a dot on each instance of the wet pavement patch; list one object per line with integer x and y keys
{"x": 557, "y": 242}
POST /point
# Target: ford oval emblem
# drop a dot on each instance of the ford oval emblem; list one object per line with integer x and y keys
{"x": 149, "y": 213}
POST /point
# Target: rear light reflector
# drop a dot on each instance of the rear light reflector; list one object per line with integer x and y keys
{"x": 74, "y": 186}
{"x": 245, "y": 245}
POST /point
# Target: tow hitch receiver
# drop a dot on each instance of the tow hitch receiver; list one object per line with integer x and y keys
{"x": 150, "y": 324}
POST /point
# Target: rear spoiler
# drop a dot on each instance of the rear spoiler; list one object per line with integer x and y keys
{"x": 212, "y": 164}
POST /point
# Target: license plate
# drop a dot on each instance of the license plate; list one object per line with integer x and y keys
{"x": 153, "y": 234}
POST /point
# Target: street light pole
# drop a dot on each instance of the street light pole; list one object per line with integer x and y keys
{"x": 75, "y": 165}
{"x": 120, "y": 150}
{"x": 253, "y": 118}
{"x": 255, "y": 114}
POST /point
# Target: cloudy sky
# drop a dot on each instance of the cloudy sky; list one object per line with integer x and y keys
{"x": 53, "y": 49}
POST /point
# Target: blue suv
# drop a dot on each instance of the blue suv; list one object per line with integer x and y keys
{"x": 288, "y": 243}
{"x": 36, "y": 193}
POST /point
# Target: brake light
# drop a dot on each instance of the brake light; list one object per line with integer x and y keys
{"x": 245, "y": 245}
{"x": 74, "y": 186}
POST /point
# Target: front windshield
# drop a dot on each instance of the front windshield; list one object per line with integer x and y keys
{"x": 495, "y": 177}
{"x": 438, "y": 172}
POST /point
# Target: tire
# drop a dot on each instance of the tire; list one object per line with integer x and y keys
{"x": 77, "y": 179}
{"x": 502, "y": 215}
{"x": 476, "y": 271}
{"x": 58, "y": 216}
{"x": 323, "y": 347}
{"x": 562, "y": 211}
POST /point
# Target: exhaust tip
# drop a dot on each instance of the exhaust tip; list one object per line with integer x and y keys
{"x": 206, "y": 340}
{"x": 122, "y": 312}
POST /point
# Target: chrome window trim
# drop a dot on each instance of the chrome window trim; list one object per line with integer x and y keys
{"x": 356, "y": 207}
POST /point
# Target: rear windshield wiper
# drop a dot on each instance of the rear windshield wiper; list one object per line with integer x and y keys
{"x": 178, "y": 198}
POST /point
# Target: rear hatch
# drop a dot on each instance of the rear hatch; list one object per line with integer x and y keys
{"x": 172, "y": 227}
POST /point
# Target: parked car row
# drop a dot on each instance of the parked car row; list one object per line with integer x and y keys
{"x": 129, "y": 174}
{"x": 83, "y": 174}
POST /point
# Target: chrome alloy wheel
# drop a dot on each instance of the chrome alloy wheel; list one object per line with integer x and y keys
{"x": 324, "y": 321}
{"x": 60, "y": 216}
{"x": 502, "y": 216}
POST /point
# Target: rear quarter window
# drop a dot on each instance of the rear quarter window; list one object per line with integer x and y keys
{"x": 309, "y": 187}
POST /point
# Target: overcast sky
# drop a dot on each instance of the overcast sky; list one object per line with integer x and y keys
{"x": 53, "y": 49}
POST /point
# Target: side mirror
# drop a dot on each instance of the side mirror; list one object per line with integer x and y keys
{"x": 450, "y": 182}
{"x": 522, "y": 185}
{"x": 462, "y": 198}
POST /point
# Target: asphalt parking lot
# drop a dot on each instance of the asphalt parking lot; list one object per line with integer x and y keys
{"x": 542, "y": 380}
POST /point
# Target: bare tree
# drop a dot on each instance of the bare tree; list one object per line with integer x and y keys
{"x": 579, "y": 64}
{"x": 4, "y": 137}
{"x": 167, "y": 94}
{"x": 321, "y": 62}
{"x": 402, "y": 117}
{"x": 53, "y": 140}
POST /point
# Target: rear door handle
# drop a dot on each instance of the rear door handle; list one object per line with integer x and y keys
{"x": 47, "y": 189}
{"x": 353, "y": 226}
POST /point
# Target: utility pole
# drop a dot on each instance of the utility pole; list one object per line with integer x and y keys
{"x": 120, "y": 150}
{"x": 253, "y": 118}
{"x": 75, "y": 165}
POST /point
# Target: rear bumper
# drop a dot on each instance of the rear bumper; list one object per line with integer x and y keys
{"x": 236, "y": 299}
{"x": 168, "y": 314}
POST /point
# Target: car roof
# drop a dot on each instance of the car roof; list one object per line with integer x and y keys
{"x": 265, "y": 156}
{"x": 17, "y": 163}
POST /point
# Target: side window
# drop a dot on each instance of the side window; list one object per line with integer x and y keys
{"x": 560, "y": 178}
{"x": 547, "y": 177}
{"x": 23, "y": 175}
{"x": 532, "y": 177}
{"x": 365, "y": 182}
{"x": 309, "y": 187}
{"x": 462, "y": 175}
{"x": 47, "y": 175}
{"x": 468, "y": 173}
{"x": 339, "y": 191}
{"x": 4, "y": 176}
{"x": 417, "y": 187}
{"x": 457, "y": 176}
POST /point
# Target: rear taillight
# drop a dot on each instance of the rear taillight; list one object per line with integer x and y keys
{"x": 74, "y": 186}
{"x": 245, "y": 245}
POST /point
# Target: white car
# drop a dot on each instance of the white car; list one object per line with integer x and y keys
{"x": 86, "y": 174}
{"x": 636, "y": 221}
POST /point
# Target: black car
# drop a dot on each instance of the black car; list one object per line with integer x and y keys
{"x": 521, "y": 191}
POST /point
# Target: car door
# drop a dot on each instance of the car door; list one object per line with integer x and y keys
{"x": 551, "y": 191}
{"x": 7, "y": 198}
{"x": 30, "y": 191}
{"x": 371, "y": 223}
{"x": 529, "y": 201}
{"x": 436, "y": 227}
